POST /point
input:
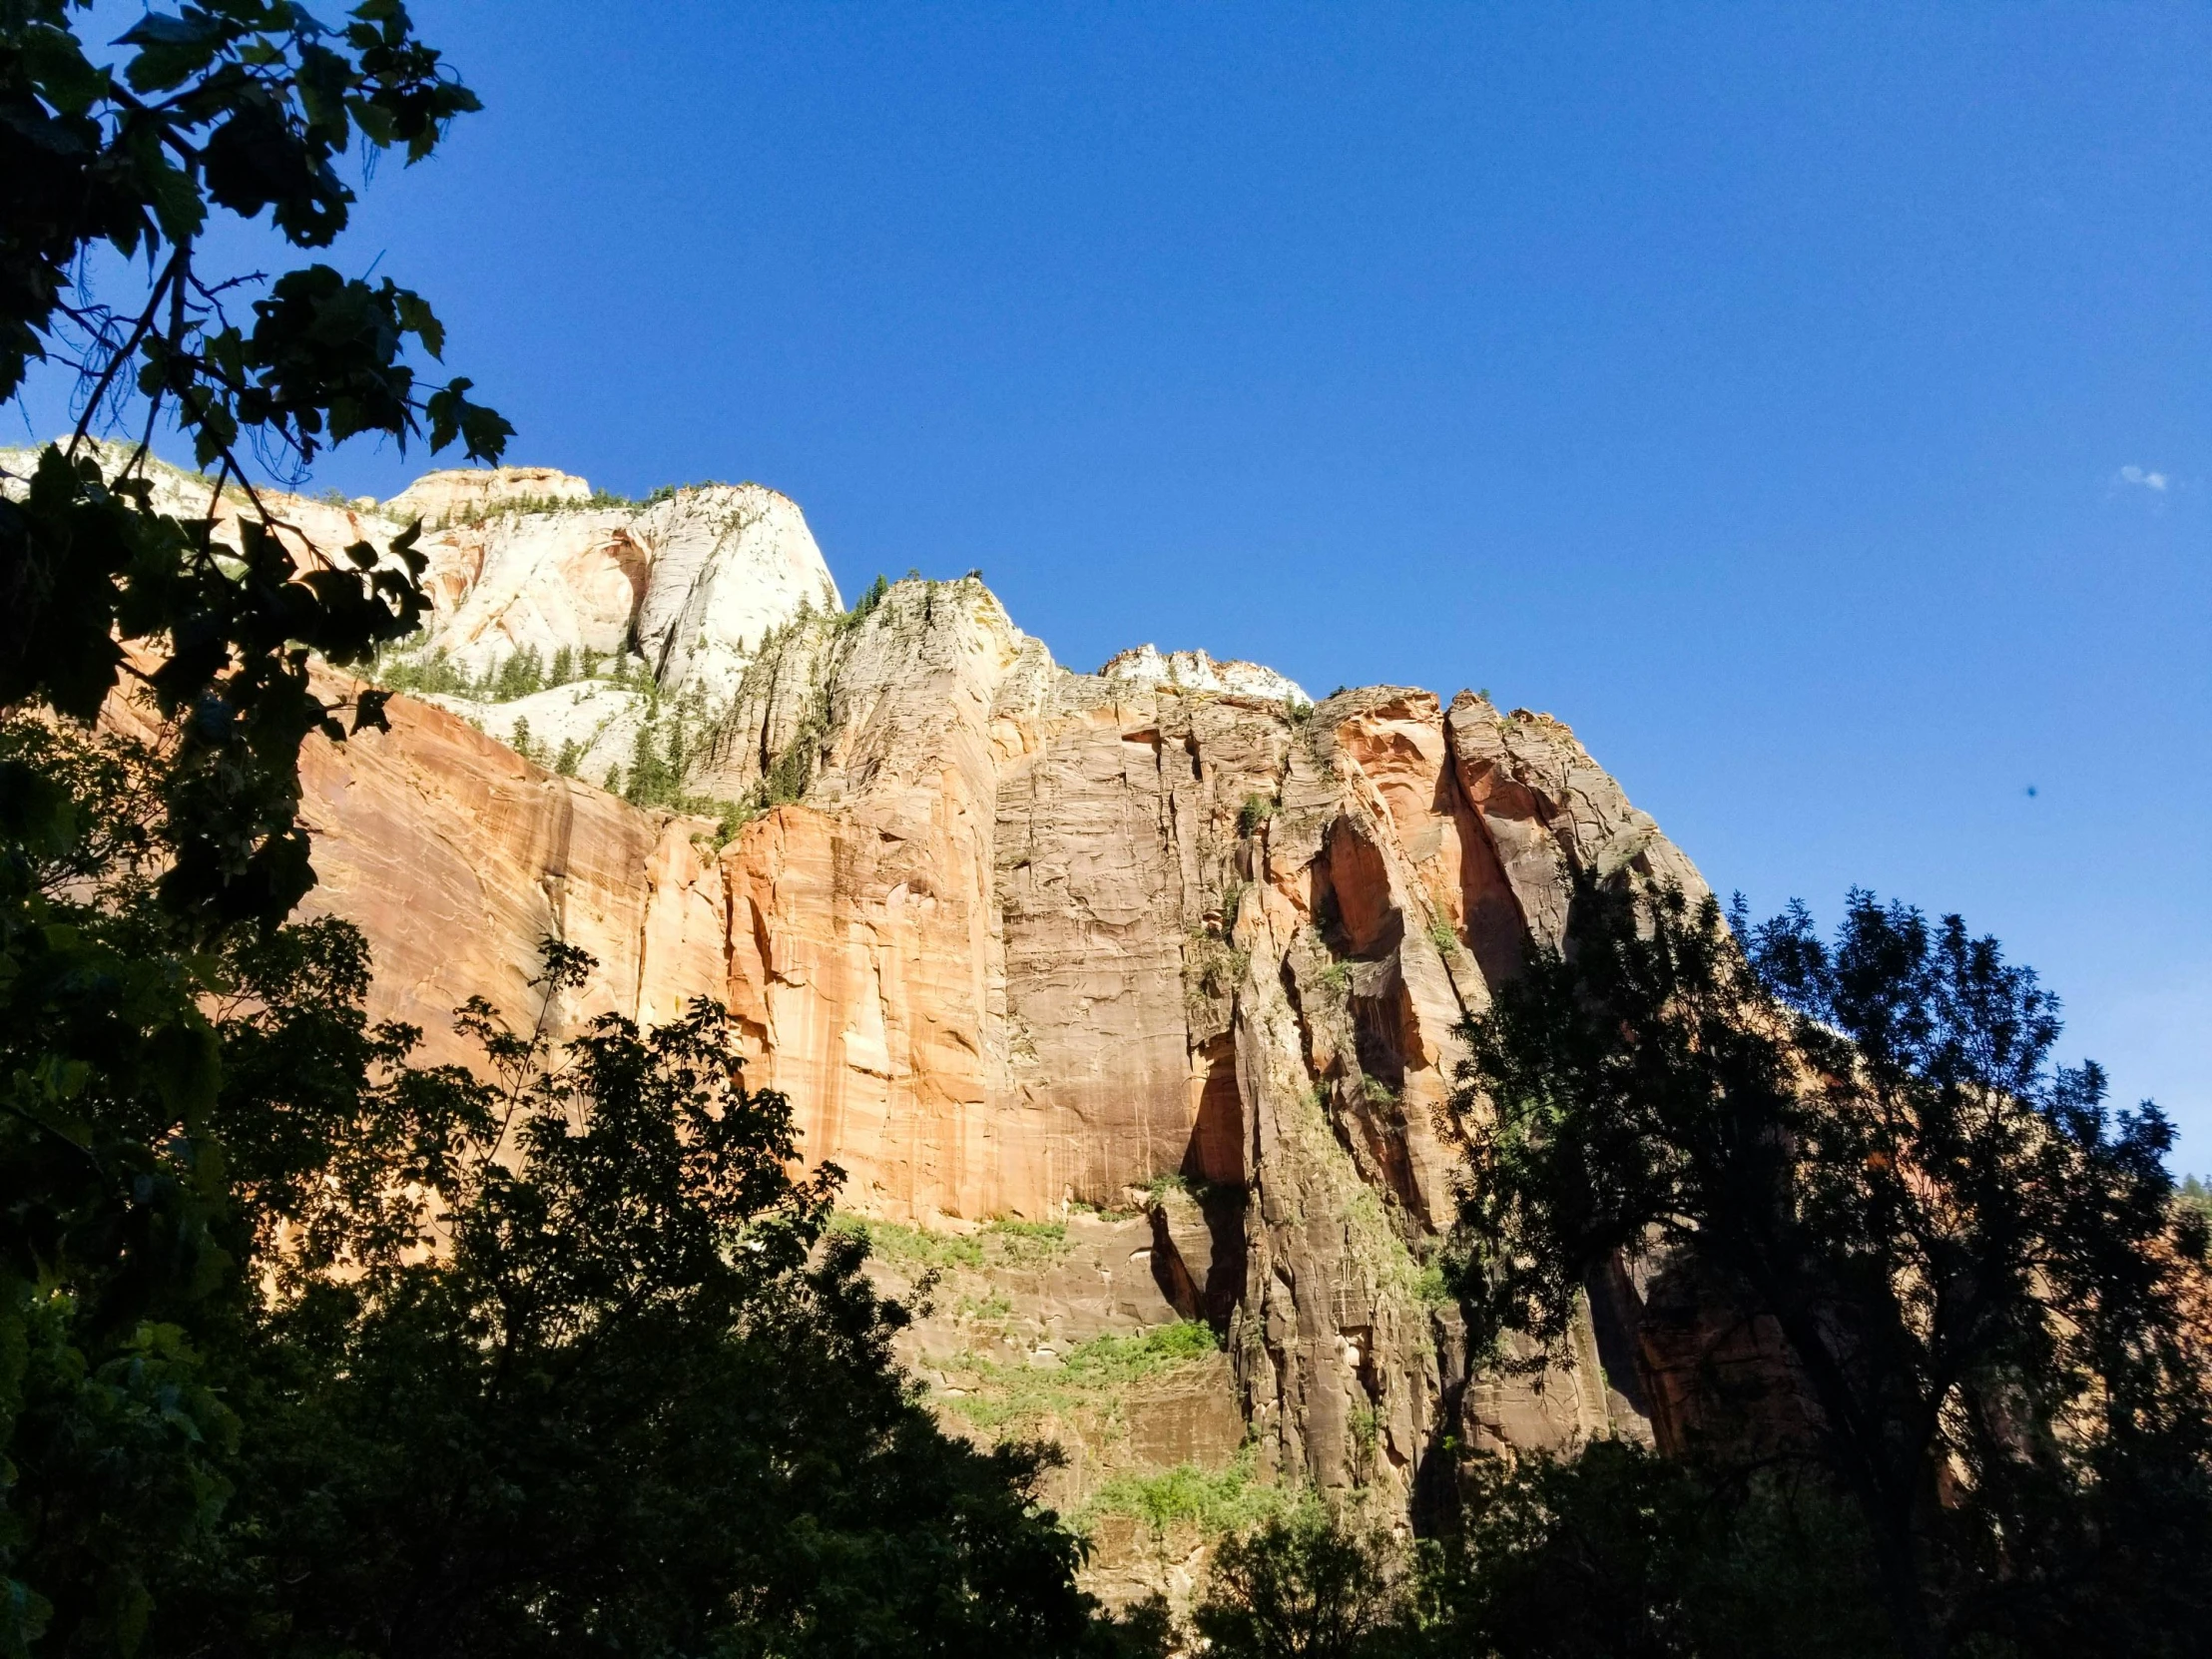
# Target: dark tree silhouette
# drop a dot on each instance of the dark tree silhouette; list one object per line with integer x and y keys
{"x": 1988, "y": 1301}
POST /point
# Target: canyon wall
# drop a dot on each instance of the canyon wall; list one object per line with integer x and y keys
{"x": 1165, "y": 956}
{"x": 1019, "y": 939}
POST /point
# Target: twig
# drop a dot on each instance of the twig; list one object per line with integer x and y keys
{"x": 130, "y": 347}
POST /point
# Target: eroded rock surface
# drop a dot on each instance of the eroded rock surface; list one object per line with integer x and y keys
{"x": 1164, "y": 957}
{"x": 1019, "y": 940}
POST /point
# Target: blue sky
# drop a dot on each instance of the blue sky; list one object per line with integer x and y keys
{"x": 1808, "y": 404}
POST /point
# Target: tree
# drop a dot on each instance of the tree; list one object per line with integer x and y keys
{"x": 1988, "y": 1306}
{"x": 132, "y": 875}
{"x": 1305, "y": 1586}
{"x": 182, "y": 1129}
{"x": 1619, "y": 1553}
{"x": 642, "y": 1399}
{"x": 247, "y": 106}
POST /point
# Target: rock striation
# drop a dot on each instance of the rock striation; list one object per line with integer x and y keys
{"x": 1168, "y": 954}
{"x": 1020, "y": 942}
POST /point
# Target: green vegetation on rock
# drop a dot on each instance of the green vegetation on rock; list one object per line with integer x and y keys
{"x": 1091, "y": 1377}
{"x": 1210, "y": 1503}
{"x": 1004, "y": 1243}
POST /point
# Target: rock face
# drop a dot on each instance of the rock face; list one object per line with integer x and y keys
{"x": 682, "y": 587}
{"x": 1196, "y": 671}
{"x": 1023, "y": 943}
{"x": 472, "y": 492}
{"x": 691, "y": 583}
{"x": 1165, "y": 960}
{"x": 1132, "y": 996}
{"x": 457, "y": 856}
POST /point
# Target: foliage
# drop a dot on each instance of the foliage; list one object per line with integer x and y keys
{"x": 139, "y": 878}
{"x": 1621, "y": 1554}
{"x": 526, "y": 506}
{"x": 2195, "y": 1195}
{"x": 1216, "y": 1502}
{"x": 1004, "y": 1243}
{"x": 1982, "y": 1287}
{"x": 1254, "y": 812}
{"x": 643, "y": 1400}
{"x": 1093, "y": 1375}
{"x": 1304, "y": 1586}
{"x": 172, "y": 1112}
{"x": 1175, "y": 1181}
{"x": 1615, "y": 1554}
{"x": 432, "y": 675}
{"x": 669, "y": 738}
{"x": 793, "y": 770}
{"x": 865, "y": 606}
{"x": 1213, "y": 967}
{"x": 655, "y": 775}
{"x": 243, "y": 106}
{"x": 520, "y": 674}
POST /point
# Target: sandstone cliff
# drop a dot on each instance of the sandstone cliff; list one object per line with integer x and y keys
{"x": 1161, "y": 963}
{"x": 1019, "y": 940}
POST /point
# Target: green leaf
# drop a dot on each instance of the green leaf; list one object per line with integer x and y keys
{"x": 60, "y": 70}
{"x": 368, "y": 710}
{"x": 416, "y": 317}
{"x": 171, "y": 49}
{"x": 485, "y": 432}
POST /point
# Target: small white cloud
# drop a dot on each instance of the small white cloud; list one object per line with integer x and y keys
{"x": 2147, "y": 480}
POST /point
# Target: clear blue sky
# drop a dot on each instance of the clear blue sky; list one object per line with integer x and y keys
{"x": 1810, "y": 406}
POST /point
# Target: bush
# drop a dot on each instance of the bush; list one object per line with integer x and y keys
{"x": 1305, "y": 1586}
{"x": 1621, "y": 1551}
{"x": 865, "y": 605}
{"x": 517, "y": 676}
{"x": 1216, "y": 1502}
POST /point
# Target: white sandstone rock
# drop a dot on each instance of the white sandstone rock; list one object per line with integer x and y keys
{"x": 693, "y": 582}
{"x": 1196, "y": 671}
{"x": 540, "y": 582}
{"x": 439, "y": 498}
{"x": 598, "y": 717}
{"x": 729, "y": 563}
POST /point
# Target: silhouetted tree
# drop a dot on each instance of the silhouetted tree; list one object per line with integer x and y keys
{"x": 640, "y": 1399}
{"x": 1618, "y": 1553}
{"x": 130, "y": 876}
{"x": 1986, "y": 1297}
{"x": 1305, "y": 1586}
